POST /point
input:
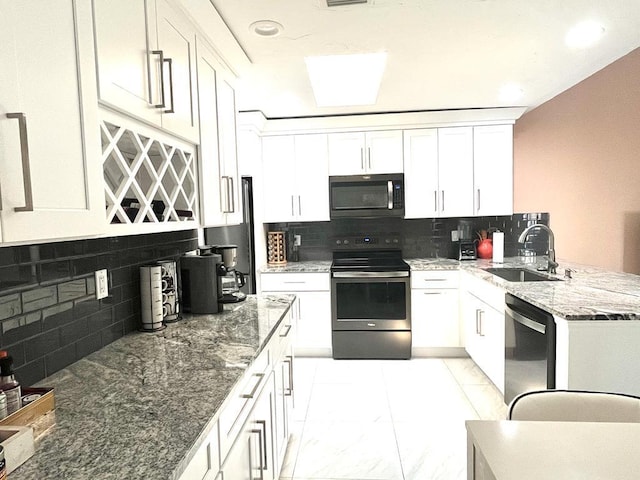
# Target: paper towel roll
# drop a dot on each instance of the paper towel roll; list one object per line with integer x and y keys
{"x": 498, "y": 247}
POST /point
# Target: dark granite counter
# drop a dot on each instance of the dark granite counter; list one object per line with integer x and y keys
{"x": 135, "y": 408}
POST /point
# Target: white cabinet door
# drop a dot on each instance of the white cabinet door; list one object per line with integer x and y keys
{"x": 311, "y": 178}
{"x": 177, "y": 41}
{"x": 227, "y": 134}
{"x": 262, "y": 428}
{"x": 50, "y": 173}
{"x": 357, "y": 153}
{"x": 384, "y": 151}
{"x": 346, "y": 153}
{"x": 455, "y": 163}
{"x": 493, "y": 170}
{"x": 434, "y": 318}
{"x": 279, "y": 178}
{"x": 313, "y": 329}
{"x": 122, "y": 46}
{"x": 210, "y": 192}
{"x": 421, "y": 173}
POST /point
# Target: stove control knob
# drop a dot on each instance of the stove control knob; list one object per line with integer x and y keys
{"x": 346, "y": 242}
{"x": 338, "y": 242}
{"x": 387, "y": 241}
{"x": 395, "y": 240}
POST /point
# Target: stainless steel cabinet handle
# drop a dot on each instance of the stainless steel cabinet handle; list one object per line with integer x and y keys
{"x": 162, "y": 103}
{"x": 435, "y": 200}
{"x": 255, "y": 387}
{"x": 261, "y": 467}
{"x": 480, "y": 315}
{"x": 26, "y": 165}
{"x": 224, "y": 194}
{"x": 432, "y": 293}
{"x": 263, "y": 451}
{"x": 361, "y": 158}
{"x": 288, "y": 327}
{"x": 293, "y": 213}
{"x": 477, "y": 322}
{"x": 289, "y": 360}
{"x": 299, "y": 206}
{"x": 369, "y": 156}
{"x": 232, "y": 195}
{"x": 442, "y": 201}
{"x": 170, "y": 62}
{"x": 478, "y": 200}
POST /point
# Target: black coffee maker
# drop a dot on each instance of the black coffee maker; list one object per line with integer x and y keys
{"x": 229, "y": 279}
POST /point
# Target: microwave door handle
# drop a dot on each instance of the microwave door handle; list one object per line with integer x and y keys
{"x": 390, "y": 192}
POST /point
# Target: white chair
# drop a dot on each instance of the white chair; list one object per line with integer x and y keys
{"x": 575, "y": 406}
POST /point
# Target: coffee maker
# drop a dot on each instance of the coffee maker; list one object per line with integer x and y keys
{"x": 229, "y": 279}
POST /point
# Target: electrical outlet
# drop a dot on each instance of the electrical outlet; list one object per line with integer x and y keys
{"x": 297, "y": 240}
{"x": 102, "y": 284}
{"x": 455, "y": 235}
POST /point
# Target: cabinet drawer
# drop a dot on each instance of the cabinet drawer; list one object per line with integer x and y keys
{"x": 292, "y": 282}
{"x": 206, "y": 461}
{"x": 242, "y": 399}
{"x": 435, "y": 279}
{"x": 283, "y": 337}
{"x": 482, "y": 289}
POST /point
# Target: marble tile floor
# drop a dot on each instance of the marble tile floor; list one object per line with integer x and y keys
{"x": 385, "y": 419}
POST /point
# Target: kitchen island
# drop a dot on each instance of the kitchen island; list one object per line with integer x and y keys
{"x": 140, "y": 407}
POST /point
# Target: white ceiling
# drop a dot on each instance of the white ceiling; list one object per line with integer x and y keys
{"x": 442, "y": 54}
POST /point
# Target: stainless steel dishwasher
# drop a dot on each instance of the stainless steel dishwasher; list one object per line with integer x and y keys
{"x": 530, "y": 348}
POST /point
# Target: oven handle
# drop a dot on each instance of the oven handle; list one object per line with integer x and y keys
{"x": 527, "y": 322}
{"x": 370, "y": 274}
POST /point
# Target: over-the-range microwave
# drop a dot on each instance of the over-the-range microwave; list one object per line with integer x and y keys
{"x": 378, "y": 195}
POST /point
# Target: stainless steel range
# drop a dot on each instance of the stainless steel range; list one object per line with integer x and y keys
{"x": 370, "y": 299}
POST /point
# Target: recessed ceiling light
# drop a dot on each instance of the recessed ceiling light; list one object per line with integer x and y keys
{"x": 510, "y": 92}
{"x": 346, "y": 80}
{"x": 266, "y": 28}
{"x": 584, "y": 34}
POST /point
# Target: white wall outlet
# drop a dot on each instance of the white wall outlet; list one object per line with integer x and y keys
{"x": 454, "y": 236}
{"x": 102, "y": 284}
{"x": 297, "y": 240}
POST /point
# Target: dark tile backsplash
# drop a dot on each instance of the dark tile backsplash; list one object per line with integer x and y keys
{"x": 49, "y": 317}
{"x": 421, "y": 238}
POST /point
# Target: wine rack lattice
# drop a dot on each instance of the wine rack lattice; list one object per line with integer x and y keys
{"x": 146, "y": 179}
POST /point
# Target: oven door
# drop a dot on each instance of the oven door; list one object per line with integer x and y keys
{"x": 370, "y": 301}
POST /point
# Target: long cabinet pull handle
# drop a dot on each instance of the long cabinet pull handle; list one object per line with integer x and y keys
{"x": 361, "y": 158}
{"x": 162, "y": 103}
{"x": 478, "y": 200}
{"x": 255, "y": 387}
{"x": 263, "y": 425}
{"x": 261, "y": 467}
{"x": 293, "y": 213}
{"x": 170, "y": 63}
{"x": 299, "y": 206}
{"x": 232, "y": 200}
{"x": 435, "y": 200}
{"x": 442, "y": 201}
{"x": 26, "y": 164}
{"x": 289, "y": 360}
{"x": 369, "y": 157}
{"x": 480, "y": 312}
{"x": 224, "y": 195}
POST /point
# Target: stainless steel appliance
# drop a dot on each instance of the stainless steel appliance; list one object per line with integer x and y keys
{"x": 229, "y": 279}
{"x": 241, "y": 236}
{"x": 370, "y": 301}
{"x": 379, "y": 195}
{"x": 530, "y": 348}
{"x": 199, "y": 282}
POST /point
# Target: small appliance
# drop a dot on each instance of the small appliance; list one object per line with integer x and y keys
{"x": 230, "y": 280}
{"x": 199, "y": 280}
{"x": 367, "y": 196}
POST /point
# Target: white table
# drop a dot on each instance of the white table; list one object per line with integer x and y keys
{"x": 513, "y": 450}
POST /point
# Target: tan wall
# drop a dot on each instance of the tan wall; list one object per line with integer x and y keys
{"x": 577, "y": 157}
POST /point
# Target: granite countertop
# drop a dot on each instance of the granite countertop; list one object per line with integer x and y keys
{"x": 135, "y": 408}
{"x": 312, "y": 266}
{"x": 592, "y": 294}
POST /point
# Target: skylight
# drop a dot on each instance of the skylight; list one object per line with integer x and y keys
{"x": 346, "y": 80}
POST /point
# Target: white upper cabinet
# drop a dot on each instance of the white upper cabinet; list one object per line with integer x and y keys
{"x": 219, "y": 182}
{"x": 146, "y": 63}
{"x": 357, "y": 153}
{"x": 455, "y": 168}
{"x": 296, "y": 179}
{"x": 50, "y": 172}
{"x": 493, "y": 170}
{"x": 421, "y": 173}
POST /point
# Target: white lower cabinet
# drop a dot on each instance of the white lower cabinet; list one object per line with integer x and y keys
{"x": 434, "y": 312}
{"x": 312, "y": 309}
{"x": 482, "y": 310}
{"x": 205, "y": 464}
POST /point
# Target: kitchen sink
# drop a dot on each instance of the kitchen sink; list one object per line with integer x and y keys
{"x": 520, "y": 275}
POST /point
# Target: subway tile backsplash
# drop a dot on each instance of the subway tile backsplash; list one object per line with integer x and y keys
{"x": 421, "y": 238}
{"x": 49, "y": 316}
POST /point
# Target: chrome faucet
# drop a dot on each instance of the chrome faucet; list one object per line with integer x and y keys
{"x": 552, "y": 264}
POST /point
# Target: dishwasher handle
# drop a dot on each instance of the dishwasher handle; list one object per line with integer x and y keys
{"x": 526, "y": 321}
